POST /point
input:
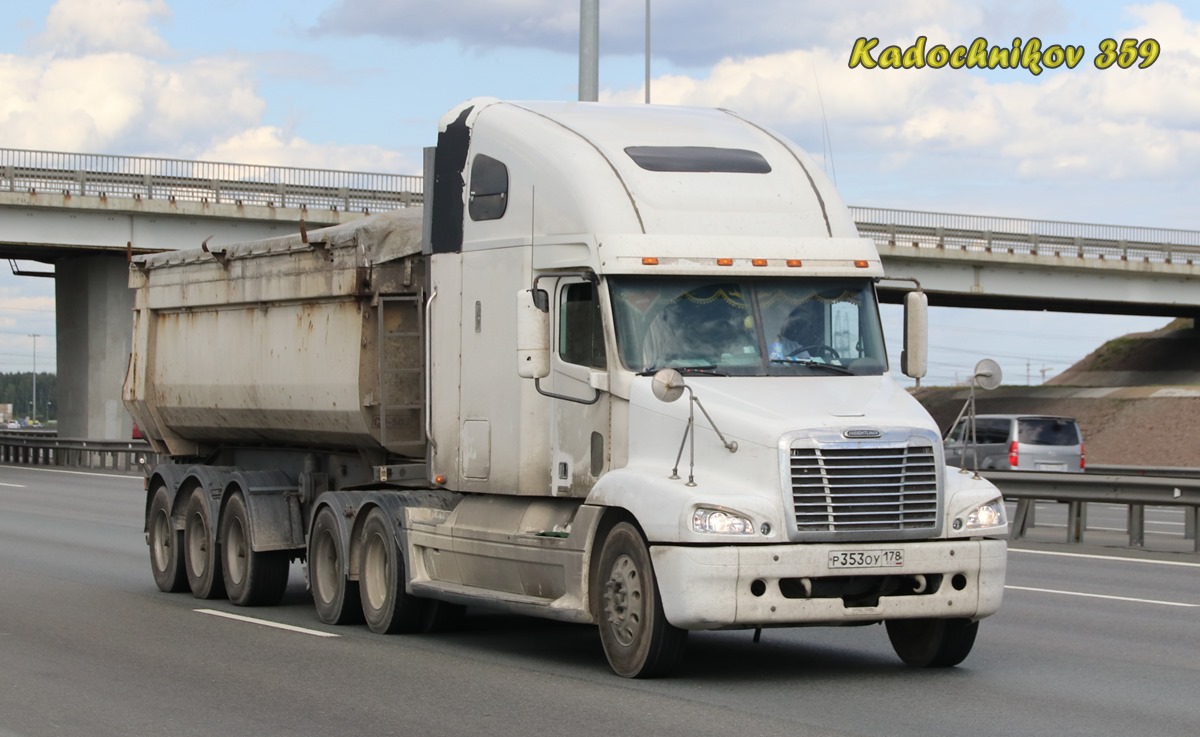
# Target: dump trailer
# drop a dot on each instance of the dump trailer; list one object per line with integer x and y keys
{"x": 625, "y": 367}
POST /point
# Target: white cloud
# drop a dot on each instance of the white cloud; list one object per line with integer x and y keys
{"x": 1078, "y": 124}
{"x": 80, "y": 27}
{"x": 112, "y": 100}
{"x": 270, "y": 145}
{"x": 80, "y": 94}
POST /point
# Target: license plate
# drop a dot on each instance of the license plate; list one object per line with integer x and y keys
{"x": 866, "y": 558}
{"x": 1051, "y": 466}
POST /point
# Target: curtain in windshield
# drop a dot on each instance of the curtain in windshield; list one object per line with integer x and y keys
{"x": 748, "y": 326}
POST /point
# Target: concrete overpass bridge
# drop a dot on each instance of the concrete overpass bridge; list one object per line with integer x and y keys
{"x": 87, "y": 213}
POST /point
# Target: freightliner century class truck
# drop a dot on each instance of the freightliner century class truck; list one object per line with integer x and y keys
{"x": 627, "y": 370}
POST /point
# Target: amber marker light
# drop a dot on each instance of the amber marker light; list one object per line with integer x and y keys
{"x": 440, "y": 479}
{"x": 758, "y": 261}
{"x": 862, "y": 264}
{"x": 724, "y": 262}
{"x": 795, "y": 263}
{"x": 649, "y": 261}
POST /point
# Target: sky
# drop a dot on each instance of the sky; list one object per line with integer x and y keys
{"x": 360, "y": 85}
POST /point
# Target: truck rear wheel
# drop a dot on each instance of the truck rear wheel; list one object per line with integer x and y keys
{"x": 251, "y": 578}
{"x": 387, "y": 606}
{"x": 932, "y": 643}
{"x": 335, "y": 596}
{"x": 166, "y": 544}
{"x": 199, "y": 546}
{"x": 638, "y": 640}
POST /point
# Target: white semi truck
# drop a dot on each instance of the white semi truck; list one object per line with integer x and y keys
{"x": 627, "y": 370}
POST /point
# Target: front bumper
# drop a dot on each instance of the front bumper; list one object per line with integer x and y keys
{"x": 706, "y": 588}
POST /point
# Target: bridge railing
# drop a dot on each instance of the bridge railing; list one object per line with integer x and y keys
{"x": 987, "y": 234}
{"x": 139, "y": 177}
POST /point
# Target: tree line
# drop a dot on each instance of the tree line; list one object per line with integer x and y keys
{"x": 17, "y": 389}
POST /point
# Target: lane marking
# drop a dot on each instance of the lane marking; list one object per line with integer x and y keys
{"x": 13, "y": 486}
{"x": 266, "y": 623}
{"x": 1106, "y": 557}
{"x": 1104, "y": 596}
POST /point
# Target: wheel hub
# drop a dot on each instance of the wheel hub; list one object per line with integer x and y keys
{"x": 623, "y": 601}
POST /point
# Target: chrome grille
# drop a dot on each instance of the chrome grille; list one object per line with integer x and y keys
{"x": 865, "y": 489}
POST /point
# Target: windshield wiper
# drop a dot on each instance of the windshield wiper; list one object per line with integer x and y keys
{"x": 810, "y": 363}
{"x": 701, "y": 370}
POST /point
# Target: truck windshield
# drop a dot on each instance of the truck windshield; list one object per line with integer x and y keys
{"x": 748, "y": 327}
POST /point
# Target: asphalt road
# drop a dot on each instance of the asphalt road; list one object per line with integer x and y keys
{"x": 1089, "y": 642}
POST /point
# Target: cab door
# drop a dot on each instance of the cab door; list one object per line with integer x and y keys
{"x": 578, "y": 387}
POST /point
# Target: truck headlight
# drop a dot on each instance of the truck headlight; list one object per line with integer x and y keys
{"x": 721, "y": 522}
{"x": 987, "y": 515}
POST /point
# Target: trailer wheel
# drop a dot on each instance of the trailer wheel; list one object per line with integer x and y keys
{"x": 251, "y": 578}
{"x": 199, "y": 545}
{"x": 638, "y": 640}
{"x": 166, "y": 544}
{"x": 387, "y": 607}
{"x": 335, "y": 596}
{"x": 932, "y": 643}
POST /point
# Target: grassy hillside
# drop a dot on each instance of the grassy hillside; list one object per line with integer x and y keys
{"x": 1137, "y": 398}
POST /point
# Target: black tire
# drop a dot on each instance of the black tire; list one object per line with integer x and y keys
{"x": 386, "y": 605}
{"x": 166, "y": 544}
{"x": 200, "y": 550}
{"x": 638, "y": 640}
{"x": 932, "y": 643}
{"x": 251, "y": 578}
{"x": 335, "y": 596}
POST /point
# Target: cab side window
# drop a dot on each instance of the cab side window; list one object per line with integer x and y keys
{"x": 580, "y": 330}
{"x": 489, "y": 189}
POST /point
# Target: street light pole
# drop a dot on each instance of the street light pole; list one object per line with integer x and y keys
{"x": 589, "y": 50}
{"x": 35, "y": 336}
{"x": 647, "y": 52}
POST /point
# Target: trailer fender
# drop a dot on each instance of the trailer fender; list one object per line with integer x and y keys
{"x": 345, "y": 506}
{"x": 393, "y": 503}
{"x": 273, "y": 505}
{"x": 213, "y": 479}
{"x": 169, "y": 476}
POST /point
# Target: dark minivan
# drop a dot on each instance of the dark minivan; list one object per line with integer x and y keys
{"x": 1018, "y": 443}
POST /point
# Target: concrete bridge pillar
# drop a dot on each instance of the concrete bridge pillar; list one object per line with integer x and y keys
{"x": 94, "y": 327}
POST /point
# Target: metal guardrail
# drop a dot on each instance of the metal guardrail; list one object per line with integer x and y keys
{"x": 140, "y": 177}
{"x": 1139, "y": 488}
{"x": 1126, "y": 470}
{"x": 113, "y": 455}
{"x": 1058, "y": 239}
{"x": 1078, "y": 490}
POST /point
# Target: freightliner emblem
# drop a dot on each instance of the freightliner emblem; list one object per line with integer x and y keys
{"x": 859, "y": 433}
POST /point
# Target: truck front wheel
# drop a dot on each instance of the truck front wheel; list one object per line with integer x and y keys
{"x": 387, "y": 606}
{"x": 638, "y": 640}
{"x": 932, "y": 643}
{"x": 251, "y": 578}
{"x": 166, "y": 544}
{"x": 335, "y": 596}
{"x": 199, "y": 545}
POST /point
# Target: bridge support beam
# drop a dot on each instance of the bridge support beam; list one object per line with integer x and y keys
{"x": 94, "y": 309}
